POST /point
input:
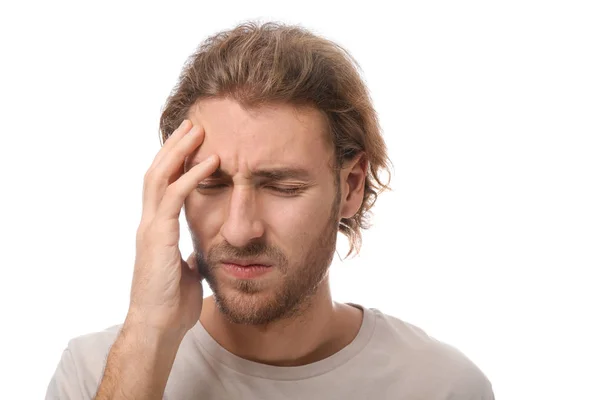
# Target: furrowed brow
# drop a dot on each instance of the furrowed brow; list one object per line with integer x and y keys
{"x": 270, "y": 174}
{"x": 280, "y": 174}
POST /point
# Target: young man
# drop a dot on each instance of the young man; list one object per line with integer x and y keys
{"x": 271, "y": 146}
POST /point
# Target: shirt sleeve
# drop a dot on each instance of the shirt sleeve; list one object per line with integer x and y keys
{"x": 474, "y": 385}
{"x": 65, "y": 384}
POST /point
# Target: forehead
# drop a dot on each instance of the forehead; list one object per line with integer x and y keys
{"x": 270, "y": 135}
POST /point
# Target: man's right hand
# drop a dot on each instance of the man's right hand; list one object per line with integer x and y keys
{"x": 166, "y": 291}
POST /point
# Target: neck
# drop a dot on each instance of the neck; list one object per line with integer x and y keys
{"x": 322, "y": 329}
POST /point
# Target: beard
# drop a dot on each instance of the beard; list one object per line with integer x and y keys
{"x": 257, "y": 302}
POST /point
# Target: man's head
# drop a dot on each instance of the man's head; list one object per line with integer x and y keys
{"x": 300, "y": 151}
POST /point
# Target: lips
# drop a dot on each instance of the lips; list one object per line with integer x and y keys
{"x": 250, "y": 271}
{"x": 246, "y": 269}
{"x": 247, "y": 263}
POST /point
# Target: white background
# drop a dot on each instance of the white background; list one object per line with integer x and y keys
{"x": 490, "y": 240}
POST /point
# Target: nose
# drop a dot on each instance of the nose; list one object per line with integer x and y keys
{"x": 242, "y": 223}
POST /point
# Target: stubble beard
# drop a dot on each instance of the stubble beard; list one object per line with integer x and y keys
{"x": 249, "y": 302}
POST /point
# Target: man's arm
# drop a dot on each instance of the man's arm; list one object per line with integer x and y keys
{"x": 138, "y": 365}
{"x": 166, "y": 291}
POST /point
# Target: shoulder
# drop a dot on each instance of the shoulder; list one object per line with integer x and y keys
{"x": 90, "y": 351}
{"x": 95, "y": 340}
{"x": 432, "y": 365}
{"x": 81, "y": 366}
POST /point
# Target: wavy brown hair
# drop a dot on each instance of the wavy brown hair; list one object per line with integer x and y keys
{"x": 257, "y": 64}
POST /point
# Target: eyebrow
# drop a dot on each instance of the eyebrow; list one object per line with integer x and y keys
{"x": 271, "y": 174}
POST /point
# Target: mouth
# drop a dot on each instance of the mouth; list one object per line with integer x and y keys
{"x": 245, "y": 270}
{"x": 247, "y": 262}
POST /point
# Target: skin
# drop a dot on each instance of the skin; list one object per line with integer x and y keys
{"x": 246, "y": 215}
{"x": 294, "y": 233}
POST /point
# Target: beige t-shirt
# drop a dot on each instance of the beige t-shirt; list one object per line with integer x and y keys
{"x": 388, "y": 359}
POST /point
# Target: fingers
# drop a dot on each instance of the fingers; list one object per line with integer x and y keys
{"x": 176, "y": 193}
{"x": 191, "y": 260}
{"x": 193, "y": 266}
{"x": 168, "y": 167}
{"x": 177, "y": 134}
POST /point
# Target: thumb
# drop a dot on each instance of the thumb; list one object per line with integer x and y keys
{"x": 192, "y": 264}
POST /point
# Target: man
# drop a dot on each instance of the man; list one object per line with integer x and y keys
{"x": 271, "y": 146}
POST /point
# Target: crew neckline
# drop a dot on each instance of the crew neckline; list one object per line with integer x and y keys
{"x": 214, "y": 350}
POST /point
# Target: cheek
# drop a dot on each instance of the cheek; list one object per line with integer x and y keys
{"x": 294, "y": 219}
{"x": 204, "y": 217}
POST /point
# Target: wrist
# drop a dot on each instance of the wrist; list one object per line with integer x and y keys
{"x": 151, "y": 335}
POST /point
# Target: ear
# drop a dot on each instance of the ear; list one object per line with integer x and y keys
{"x": 352, "y": 185}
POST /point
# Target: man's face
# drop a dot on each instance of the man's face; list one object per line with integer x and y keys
{"x": 273, "y": 201}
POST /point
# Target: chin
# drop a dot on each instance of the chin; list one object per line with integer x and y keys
{"x": 259, "y": 307}
{"x": 248, "y": 308}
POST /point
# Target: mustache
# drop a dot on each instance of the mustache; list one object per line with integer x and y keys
{"x": 253, "y": 249}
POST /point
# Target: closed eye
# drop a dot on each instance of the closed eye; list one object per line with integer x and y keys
{"x": 285, "y": 190}
{"x": 214, "y": 186}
